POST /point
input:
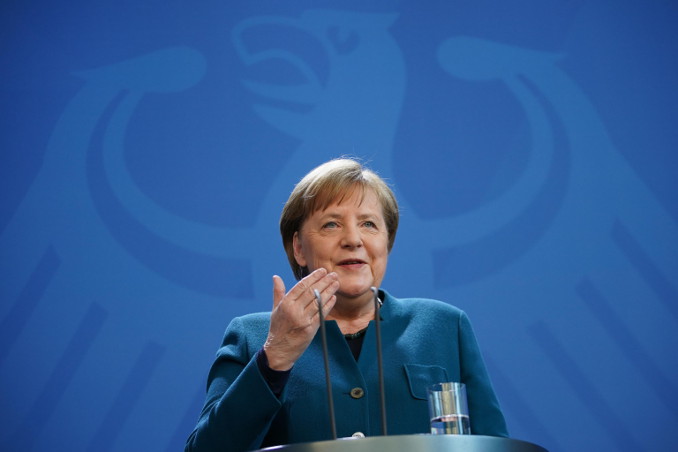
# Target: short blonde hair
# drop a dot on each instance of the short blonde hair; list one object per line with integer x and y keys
{"x": 329, "y": 183}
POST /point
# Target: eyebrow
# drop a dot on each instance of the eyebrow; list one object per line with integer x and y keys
{"x": 363, "y": 216}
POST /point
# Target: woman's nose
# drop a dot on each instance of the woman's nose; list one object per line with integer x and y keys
{"x": 351, "y": 238}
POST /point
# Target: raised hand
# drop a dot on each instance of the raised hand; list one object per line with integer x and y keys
{"x": 295, "y": 319}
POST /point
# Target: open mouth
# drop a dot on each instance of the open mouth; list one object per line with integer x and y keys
{"x": 351, "y": 262}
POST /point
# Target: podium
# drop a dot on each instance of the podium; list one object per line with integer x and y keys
{"x": 414, "y": 443}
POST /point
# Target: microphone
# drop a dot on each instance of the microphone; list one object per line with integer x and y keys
{"x": 380, "y": 364}
{"x": 326, "y": 358}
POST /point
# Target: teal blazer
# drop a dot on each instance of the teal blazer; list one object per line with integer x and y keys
{"x": 424, "y": 342}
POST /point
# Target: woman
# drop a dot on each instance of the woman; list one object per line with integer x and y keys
{"x": 267, "y": 385}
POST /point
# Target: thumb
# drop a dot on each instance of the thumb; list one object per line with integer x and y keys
{"x": 278, "y": 290}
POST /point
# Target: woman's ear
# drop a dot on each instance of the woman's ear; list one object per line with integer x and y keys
{"x": 298, "y": 255}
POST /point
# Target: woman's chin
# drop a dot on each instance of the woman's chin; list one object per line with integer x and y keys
{"x": 354, "y": 293}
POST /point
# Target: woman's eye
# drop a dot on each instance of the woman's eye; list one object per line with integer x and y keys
{"x": 370, "y": 224}
{"x": 330, "y": 225}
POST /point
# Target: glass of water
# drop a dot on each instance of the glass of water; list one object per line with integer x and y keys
{"x": 448, "y": 409}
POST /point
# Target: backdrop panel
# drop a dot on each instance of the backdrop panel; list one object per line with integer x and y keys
{"x": 148, "y": 147}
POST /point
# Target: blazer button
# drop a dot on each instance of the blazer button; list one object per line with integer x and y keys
{"x": 357, "y": 392}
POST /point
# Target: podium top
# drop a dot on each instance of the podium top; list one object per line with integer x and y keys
{"x": 419, "y": 443}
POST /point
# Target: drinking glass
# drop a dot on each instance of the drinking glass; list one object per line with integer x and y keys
{"x": 448, "y": 409}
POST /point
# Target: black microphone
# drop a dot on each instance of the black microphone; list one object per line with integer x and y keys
{"x": 326, "y": 358}
{"x": 380, "y": 365}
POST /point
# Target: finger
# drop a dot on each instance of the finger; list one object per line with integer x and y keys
{"x": 331, "y": 289}
{"x": 329, "y": 304}
{"x": 322, "y": 286}
{"x": 327, "y": 298}
{"x": 302, "y": 286}
{"x": 278, "y": 290}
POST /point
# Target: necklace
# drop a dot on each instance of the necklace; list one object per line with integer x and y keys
{"x": 355, "y": 335}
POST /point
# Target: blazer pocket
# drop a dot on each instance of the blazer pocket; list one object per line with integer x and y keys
{"x": 419, "y": 378}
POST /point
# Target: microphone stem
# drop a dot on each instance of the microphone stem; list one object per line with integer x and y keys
{"x": 380, "y": 364}
{"x": 326, "y": 358}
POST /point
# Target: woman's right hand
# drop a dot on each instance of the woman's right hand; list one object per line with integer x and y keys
{"x": 295, "y": 319}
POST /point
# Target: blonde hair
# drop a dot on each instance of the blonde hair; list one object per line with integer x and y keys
{"x": 326, "y": 184}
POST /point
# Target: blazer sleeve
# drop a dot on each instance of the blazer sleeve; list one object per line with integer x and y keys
{"x": 484, "y": 411}
{"x": 239, "y": 406}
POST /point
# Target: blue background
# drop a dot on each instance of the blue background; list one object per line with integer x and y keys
{"x": 147, "y": 149}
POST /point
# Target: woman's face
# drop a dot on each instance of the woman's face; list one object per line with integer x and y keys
{"x": 349, "y": 238}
